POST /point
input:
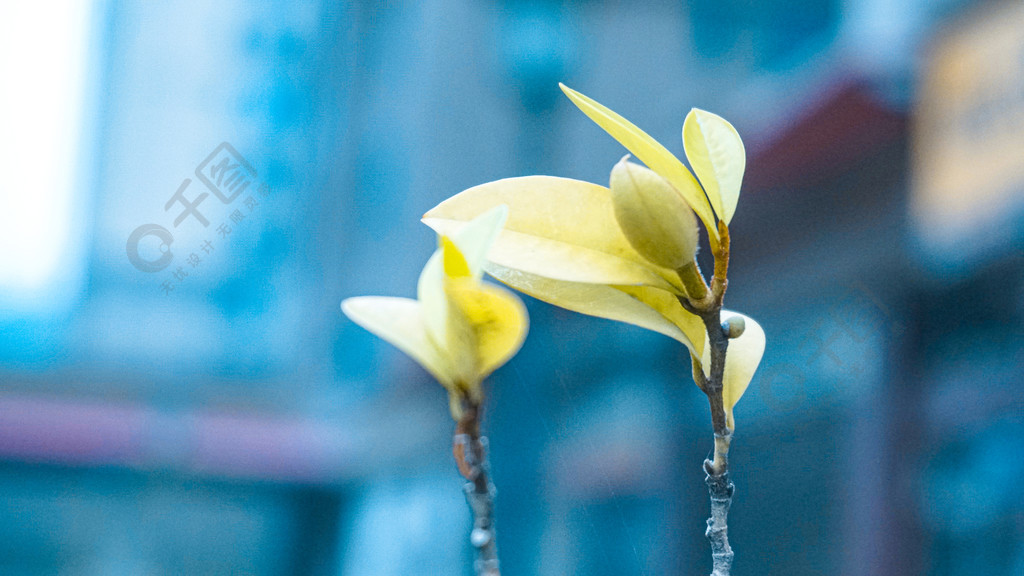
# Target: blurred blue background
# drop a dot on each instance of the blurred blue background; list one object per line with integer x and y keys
{"x": 220, "y": 415}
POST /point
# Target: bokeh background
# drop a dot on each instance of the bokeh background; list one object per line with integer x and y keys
{"x": 221, "y": 416}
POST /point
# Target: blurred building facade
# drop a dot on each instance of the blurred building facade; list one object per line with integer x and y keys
{"x": 220, "y": 415}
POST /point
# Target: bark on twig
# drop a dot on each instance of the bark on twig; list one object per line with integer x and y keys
{"x": 709, "y": 308}
{"x": 721, "y": 490}
{"x": 470, "y": 449}
{"x": 719, "y": 486}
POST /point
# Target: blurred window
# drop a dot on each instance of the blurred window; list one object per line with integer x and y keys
{"x": 41, "y": 107}
{"x": 772, "y": 34}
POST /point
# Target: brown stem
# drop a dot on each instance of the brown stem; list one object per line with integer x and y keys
{"x": 470, "y": 450}
{"x": 719, "y": 343}
{"x": 719, "y": 486}
{"x": 709, "y": 307}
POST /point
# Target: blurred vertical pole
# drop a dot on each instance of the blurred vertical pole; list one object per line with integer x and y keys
{"x": 903, "y": 536}
{"x": 866, "y": 479}
{"x": 883, "y": 530}
{"x": 883, "y": 533}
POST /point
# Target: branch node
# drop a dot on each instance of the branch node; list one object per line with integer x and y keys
{"x": 721, "y": 491}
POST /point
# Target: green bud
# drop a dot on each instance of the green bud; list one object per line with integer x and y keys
{"x": 734, "y": 326}
{"x": 655, "y": 218}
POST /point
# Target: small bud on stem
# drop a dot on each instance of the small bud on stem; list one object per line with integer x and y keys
{"x": 734, "y": 327}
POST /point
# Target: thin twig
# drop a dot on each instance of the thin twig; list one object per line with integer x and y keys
{"x": 721, "y": 490}
{"x": 470, "y": 449}
{"x": 709, "y": 308}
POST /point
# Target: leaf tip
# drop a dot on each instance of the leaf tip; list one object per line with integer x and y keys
{"x": 573, "y": 95}
{"x": 349, "y": 306}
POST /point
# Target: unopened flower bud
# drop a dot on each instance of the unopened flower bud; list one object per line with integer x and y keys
{"x": 654, "y": 217}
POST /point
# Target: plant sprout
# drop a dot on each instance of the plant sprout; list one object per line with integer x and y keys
{"x": 627, "y": 252}
{"x": 460, "y": 330}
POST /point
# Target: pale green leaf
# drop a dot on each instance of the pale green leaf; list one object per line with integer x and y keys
{"x": 650, "y": 152}
{"x": 668, "y": 306}
{"x": 399, "y": 322}
{"x": 557, "y": 228}
{"x": 715, "y": 151}
{"x": 473, "y": 240}
{"x": 595, "y": 300}
{"x": 476, "y": 238}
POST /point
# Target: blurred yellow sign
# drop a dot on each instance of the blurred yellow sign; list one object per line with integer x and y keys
{"x": 969, "y": 130}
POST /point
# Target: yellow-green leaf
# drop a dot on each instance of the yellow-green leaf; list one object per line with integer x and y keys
{"x": 599, "y": 300}
{"x": 650, "y": 152}
{"x": 557, "y": 228}
{"x": 742, "y": 358}
{"x": 715, "y": 151}
{"x": 497, "y": 318}
{"x": 472, "y": 241}
{"x": 668, "y": 306}
{"x": 399, "y": 322}
{"x": 461, "y": 342}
